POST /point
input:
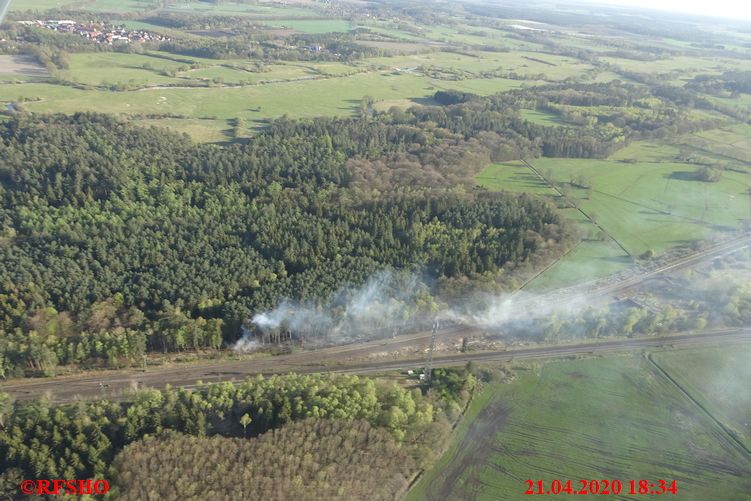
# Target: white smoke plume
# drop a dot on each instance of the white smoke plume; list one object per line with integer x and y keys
{"x": 400, "y": 302}
{"x": 386, "y": 302}
{"x": 496, "y": 312}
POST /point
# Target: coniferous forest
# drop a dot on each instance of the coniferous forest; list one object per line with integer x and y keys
{"x": 119, "y": 240}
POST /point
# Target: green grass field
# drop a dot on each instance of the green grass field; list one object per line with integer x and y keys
{"x": 312, "y": 25}
{"x": 117, "y": 6}
{"x": 207, "y": 131}
{"x": 681, "y": 64}
{"x": 513, "y": 176}
{"x": 608, "y": 418}
{"x": 656, "y": 206}
{"x": 38, "y": 5}
{"x": 256, "y": 10}
{"x": 121, "y": 68}
{"x": 541, "y": 118}
{"x": 718, "y": 379}
{"x": 554, "y": 67}
{"x": 641, "y": 196}
{"x": 589, "y": 260}
{"x": 333, "y": 96}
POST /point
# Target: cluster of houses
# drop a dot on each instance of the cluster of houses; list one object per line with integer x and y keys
{"x": 98, "y": 33}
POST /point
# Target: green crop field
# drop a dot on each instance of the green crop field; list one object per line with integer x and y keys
{"x": 607, "y": 418}
{"x": 208, "y": 131}
{"x": 682, "y": 64}
{"x": 119, "y": 6}
{"x": 259, "y": 11}
{"x": 642, "y": 198}
{"x": 513, "y": 176}
{"x": 591, "y": 259}
{"x": 121, "y": 68}
{"x": 149, "y": 70}
{"x": 718, "y": 379}
{"x": 527, "y": 63}
{"x": 541, "y": 118}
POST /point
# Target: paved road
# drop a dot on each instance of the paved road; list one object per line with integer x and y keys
{"x": 337, "y": 359}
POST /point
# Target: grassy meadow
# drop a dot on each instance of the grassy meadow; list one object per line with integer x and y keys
{"x": 642, "y": 196}
{"x": 654, "y": 205}
{"x": 303, "y": 91}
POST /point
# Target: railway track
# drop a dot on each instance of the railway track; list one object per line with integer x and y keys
{"x": 117, "y": 385}
{"x": 112, "y": 384}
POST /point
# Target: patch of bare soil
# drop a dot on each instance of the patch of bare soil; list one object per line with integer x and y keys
{"x": 22, "y": 66}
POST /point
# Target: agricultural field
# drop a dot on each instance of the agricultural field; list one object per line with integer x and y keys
{"x": 38, "y": 5}
{"x": 331, "y": 96}
{"x": 540, "y": 118}
{"x": 718, "y": 379}
{"x": 20, "y": 67}
{"x": 136, "y": 69}
{"x": 513, "y": 176}
{"x": 606, "y": 418}
{"x": 117, "y": 6}
{"x": 654, "y": 205}
{"x": 207, "y": 130}
{"x": 684, "y": 65}
{"x": 594, "y": 257}
{"x": 553, "y": 67}
{"x": 641, "y": 196}
{"x": 256, "y": 10}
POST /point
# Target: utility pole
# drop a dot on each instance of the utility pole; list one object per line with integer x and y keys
{"x": 431, "y": 349}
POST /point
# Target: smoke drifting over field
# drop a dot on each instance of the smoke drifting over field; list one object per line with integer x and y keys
{"x": 716, "y": 295}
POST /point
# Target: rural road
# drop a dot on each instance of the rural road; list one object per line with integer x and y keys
{"x": 112, "y": 384}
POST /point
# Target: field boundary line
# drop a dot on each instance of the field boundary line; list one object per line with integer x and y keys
{"x": 595, "y": 223}
{"x": 553, "y": 263}
{"x": 744, "y": 450}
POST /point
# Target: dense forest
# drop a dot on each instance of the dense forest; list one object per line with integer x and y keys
{"x": 118, "y": 239}
{"x": 82, "y": 440}
{"x": 312, "y": 459}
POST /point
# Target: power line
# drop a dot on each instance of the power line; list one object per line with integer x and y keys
{"x": 431, "y": 349}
